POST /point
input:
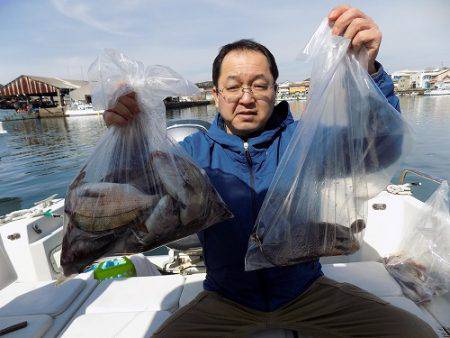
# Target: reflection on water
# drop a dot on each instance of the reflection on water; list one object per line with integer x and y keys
{"x": 39, "y": 158}
{"x": 430, "y": 119}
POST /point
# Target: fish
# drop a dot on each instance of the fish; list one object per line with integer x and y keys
{"x": 171, "y": 199}
{"x": 80, "y": 248}
{"x": 306, "y": 242}
{"x": 190, "y": 186}
{"x": 182, "y": 179}
{"x": 103, "y": 206}
{"x": 416, "y": 281}
{"x": 163, "y": 220}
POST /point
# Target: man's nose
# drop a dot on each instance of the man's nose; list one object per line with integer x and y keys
{"x": 247, "y": 97}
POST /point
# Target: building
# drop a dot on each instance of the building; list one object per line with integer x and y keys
{"x": 441, "y": 79}
{"x": 206, "y": 88}
{"x": 421, "y": 79}
{"x": 404, "y": 82}
{"x": 46, "y": 96}
{"x": 298, "y": 88}
{"x": 82, "y": 93}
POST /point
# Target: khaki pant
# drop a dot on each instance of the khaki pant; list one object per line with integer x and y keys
{"x": 326, "y": 309}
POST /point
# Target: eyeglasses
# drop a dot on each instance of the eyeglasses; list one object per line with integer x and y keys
{"x": 259, "y": 92}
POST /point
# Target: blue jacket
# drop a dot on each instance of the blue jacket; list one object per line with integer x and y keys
{"x": 242, "y": 178}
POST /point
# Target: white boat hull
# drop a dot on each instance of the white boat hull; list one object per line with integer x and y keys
{"x": 82, "y": 112}
{"x": 437, "y": 92}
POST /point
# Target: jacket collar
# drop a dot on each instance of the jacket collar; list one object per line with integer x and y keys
{"x": 281, "y": 117}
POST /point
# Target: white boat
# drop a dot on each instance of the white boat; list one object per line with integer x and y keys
{"x": 81, "y": 109}
{"x": 2, "y": 131}
{"x": 30, "y": 247}
{"x": 436, "y": 92}
{"x": 291, "y": 98}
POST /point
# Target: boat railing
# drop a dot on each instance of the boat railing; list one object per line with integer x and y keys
{"x": 405, "y": 172}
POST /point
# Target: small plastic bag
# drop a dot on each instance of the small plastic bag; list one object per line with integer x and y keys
{"x": 422, "y": 267}
{"x": 345, "y": 149}
{"x": 139, "y": 189}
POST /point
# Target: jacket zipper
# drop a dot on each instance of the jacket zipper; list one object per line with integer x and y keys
{"x": 248, "y": 157}
{"x": 252, "y": 178}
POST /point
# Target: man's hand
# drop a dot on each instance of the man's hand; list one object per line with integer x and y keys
{"x": 123, "y": 111}
{"x": 359, "y": 28}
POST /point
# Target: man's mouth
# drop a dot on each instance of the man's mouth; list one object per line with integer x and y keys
{"x": 247, "y": 112}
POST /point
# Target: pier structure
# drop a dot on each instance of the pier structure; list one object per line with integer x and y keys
{"x": 36, "y": 96}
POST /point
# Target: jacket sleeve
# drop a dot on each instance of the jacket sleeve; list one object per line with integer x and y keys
{"x": 186, "y": 144}
{"x": 383, "y": 140}
{"x": 386, "y": 86}
{"x": 388, "y": 132}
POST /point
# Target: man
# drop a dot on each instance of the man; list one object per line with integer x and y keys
{"x": 240, "y": 153}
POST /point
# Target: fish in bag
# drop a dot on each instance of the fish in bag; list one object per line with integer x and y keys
{"x": 422, "y": 265}
{"x": 139, "y": 189}
{"x": 346, "y": 147}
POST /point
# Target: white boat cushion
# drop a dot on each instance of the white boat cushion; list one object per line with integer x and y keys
{"x": 152, "y": 293}
{"x": 440, "y": 308}
{"x": 193, "y": 285}
{"x": 408, "y": 305}
{"x": 61, "y": 320}
{"x": 36, "y": 298}
{"x": 37, "y": 326}
{"x": 125, "y": 324}
{"x": 370, "y": 276}
{"x": 143, "y": 266}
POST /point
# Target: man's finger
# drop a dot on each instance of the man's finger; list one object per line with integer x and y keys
{"x": 130, "y": 104}
{"x": 111, "y": 118}
{"x": 123, "y": 111}
{"x": 357, "y": 25}
{"x": 131, "y": 95}
{"x": 337, "y": 11}
{"x": 363, "y": 37}
{"x": 345, "y": 19}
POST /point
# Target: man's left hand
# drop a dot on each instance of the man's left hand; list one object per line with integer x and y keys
{"x": 359, "y": 28}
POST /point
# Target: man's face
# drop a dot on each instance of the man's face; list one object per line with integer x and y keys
{"x": 249, "y": 114}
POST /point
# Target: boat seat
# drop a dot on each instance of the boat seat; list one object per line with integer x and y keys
{"x": 45, "y": 299}
{"x": 151, "y": 293}
{"x": 117, "y": 324}
{"x": 370, "y": 276}
{"x": 131, "y": 304}
{"x": 37, "y": 325}
{"x": 408, "y": 305}
{"x": 37, "y": 298}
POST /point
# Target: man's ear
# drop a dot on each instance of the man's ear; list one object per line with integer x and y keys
{"x": 216, "y": 97}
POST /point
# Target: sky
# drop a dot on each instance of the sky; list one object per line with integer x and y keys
{"x": 62, "y": 38}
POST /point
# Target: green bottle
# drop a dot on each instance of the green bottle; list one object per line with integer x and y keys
{"x": 117, "y": 267}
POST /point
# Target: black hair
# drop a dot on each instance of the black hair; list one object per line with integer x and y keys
{"x": 243, "y": 44}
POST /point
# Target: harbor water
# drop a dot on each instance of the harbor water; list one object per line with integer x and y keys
{"x": 39, "y": 158}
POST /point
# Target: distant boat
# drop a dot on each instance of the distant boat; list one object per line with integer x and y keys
{"x": 291, "y": 98}
{"x": 82, "y": 109}
{"x": 2, "y": 131}
{"x": 435, "y": 92}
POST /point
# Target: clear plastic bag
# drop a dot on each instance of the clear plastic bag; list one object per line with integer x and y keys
{"x": 345, "y": 149}
{"x": 139, "y": 189}
{"x": 422, "y": 267}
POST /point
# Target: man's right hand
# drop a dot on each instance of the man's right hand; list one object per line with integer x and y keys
{"x": 123, "y": 112}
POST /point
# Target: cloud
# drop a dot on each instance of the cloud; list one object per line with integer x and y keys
{"x": 83, "y": 12}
